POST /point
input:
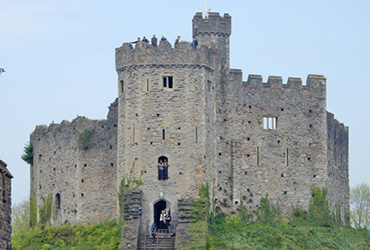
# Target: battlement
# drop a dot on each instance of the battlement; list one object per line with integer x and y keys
{"x": 337, "y": 123}
{"x": 313, "y": 81}
{"x": 145, "y": 54}
{"x": 212, "y": 24}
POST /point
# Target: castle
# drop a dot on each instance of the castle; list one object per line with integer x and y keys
{"x": 244, "y": 138}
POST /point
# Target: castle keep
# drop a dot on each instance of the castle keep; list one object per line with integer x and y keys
{"x": 243, "y": 138}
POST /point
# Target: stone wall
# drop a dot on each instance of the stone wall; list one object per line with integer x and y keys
{"x": 84, "y": 180}
{"x": 283, "y": 161}
{"x": 5, "y": 207}
{"x": 132, "y": 216}
{"x": 338, "y": 178}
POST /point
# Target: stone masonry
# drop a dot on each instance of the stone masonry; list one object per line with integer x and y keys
{"x": 5, "y": 207}
{"x": 245, "y": 139}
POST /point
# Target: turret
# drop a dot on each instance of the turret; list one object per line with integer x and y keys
{"x": 214, "y": 31}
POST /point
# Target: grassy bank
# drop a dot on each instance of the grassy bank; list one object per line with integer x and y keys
{"x": 104, "y": 235}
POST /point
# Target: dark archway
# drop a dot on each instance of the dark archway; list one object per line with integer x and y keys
{"x": 158, "y": 207}
{"x": 57, "y": 201}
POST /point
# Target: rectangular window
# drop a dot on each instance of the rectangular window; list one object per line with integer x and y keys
{"x": 168, "y": 82}
{"x": 270, "y": 122}
{"x": 163, "y": 134}
{"x": 196, "y": 134}
{"x": 258, "y": 156}
{"x": 147, "y": 85}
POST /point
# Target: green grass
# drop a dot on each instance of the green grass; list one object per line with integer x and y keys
{"x": 233, "y": 233}
{"x": 105, "y": 235}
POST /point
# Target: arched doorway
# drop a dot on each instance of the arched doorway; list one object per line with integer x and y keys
{"x": 158, "y": 207}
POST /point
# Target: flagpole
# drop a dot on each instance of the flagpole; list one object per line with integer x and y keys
{"x": 205, "y": 8}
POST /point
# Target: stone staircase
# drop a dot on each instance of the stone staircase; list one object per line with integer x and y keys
{"x": 163, "y": 242}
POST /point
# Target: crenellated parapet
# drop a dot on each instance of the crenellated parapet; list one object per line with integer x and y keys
{"x": 313, "y": 81}
{"x": 144, "y": 54}
{"x": 213, "y": 23}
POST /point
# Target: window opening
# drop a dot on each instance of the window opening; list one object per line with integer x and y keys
{"x": 258, "y": 156}
{"x": 163, "y": 134}
{"x": 57, "y": 201}
{"x": 133, "y": 132}
{"x": 147, "y": 85}
{"x": 270, "y": 122}
{"x": 196, "y": 134}
{"x": 163, "y": 168}
{"x": 121, "y": 86}
{"x": 168, "y": 82}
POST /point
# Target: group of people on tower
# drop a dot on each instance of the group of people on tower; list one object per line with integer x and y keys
{"x": 154, "y": 41}
{"x": 163, "y": 169}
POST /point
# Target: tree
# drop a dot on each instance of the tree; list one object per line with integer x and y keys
{"x": 360, "y": 206}
{"x": 21, "y": 218}
{"x": 28, "y": 153}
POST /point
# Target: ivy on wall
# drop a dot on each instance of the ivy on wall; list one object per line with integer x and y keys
{"x": 84, "y": 139}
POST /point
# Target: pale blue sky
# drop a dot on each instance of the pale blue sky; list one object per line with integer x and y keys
{"x": 59, "y": 59}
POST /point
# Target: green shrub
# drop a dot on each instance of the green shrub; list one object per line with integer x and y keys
{"x": 105, "y": 235}
{"x": 84, "y": 139}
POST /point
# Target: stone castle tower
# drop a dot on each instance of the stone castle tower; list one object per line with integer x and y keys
{"x": 186, "y": 106}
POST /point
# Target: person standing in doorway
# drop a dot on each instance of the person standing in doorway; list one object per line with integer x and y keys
{"x": 168, "y": 220}
{"x": 160, "y": 170}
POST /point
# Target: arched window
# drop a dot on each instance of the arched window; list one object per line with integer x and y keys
{"x": 163, "y": 168}
{"x": 57, "y": 201}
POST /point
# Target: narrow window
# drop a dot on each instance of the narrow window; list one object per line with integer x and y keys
{"x": 57, "y": 201}
{"x": 196, "y": 134}
{"x": 270, "y": 122}
{"x": 121, "y": 86}
{"x": 147, "y": 85}
{"x": 287, "y": 157}
{"x": 163, "y": 134}
{"x": 168, "y": 82}
{"x": 133, "y": 132}
{"x": 258, "y": 156}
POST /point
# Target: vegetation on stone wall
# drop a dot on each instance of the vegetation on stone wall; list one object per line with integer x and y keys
{"x": 267, "y": 213}
{"x": 28, "y": 153}
{"x": 316, "y": 228}
{"x": 318, "y": 213}
{"x": 129, "y": 181}
{"x": 199, "y": 214}
{"x": 102, "y": 236}
{"x": 45, "y": 210}
{"x": 85, "y": 140}
{"x": 33, "y": 211}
